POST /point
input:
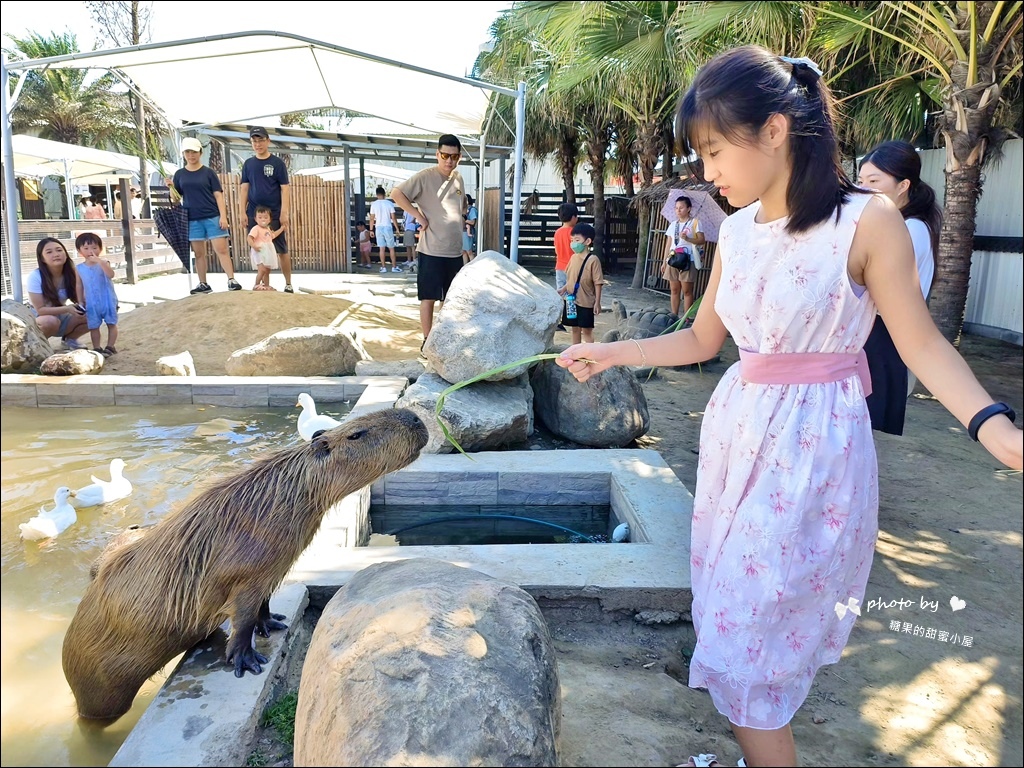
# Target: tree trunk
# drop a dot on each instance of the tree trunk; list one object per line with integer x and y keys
{"x": 948, "y": 299}
{"x": 650, "y": 149}
{"x": 643, "y": 232}
{"x": 568, "y": 156}
{"x": 668, "y": 170}
{"x": 600, "y": 225}
{"x": 216, "y": 156}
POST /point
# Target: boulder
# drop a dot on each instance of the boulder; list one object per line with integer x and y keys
{"x": 608, "y": 410}
{"x": 481, "y": 416}
{"x": 420, "y": 662}
{"x": 73, "y": 363}
{"x": 311, "y": 351}
{"x": 22, "y": 345}
{"x": 410, "y": 369}
{"x": 181, "y": 364}
{"x": 496, "y": 313}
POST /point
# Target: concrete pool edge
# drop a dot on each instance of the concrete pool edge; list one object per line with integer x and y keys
{"x": 219, "y": 727}
{"x": 35, "y": 391}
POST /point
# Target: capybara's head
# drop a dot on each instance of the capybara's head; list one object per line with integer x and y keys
{"x": 367, "y": 447}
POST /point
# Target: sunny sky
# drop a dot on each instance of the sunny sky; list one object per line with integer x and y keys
{"x": 445, "y": 37}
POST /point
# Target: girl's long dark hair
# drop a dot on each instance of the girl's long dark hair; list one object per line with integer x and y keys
{"x": 900, "y": 160}
{"x": 737, "y": 92}
{"x": 69, "y": 277}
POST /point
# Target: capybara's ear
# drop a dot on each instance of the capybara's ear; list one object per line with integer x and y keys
{"x": 321, "y": 446}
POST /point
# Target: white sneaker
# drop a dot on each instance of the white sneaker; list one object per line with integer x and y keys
{"x": 383, "y": 269}
{"x": 396, "y": 269}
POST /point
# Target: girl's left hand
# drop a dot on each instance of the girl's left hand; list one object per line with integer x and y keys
{"x": 1004, "y": 441}
{"x": 223, "y": 222}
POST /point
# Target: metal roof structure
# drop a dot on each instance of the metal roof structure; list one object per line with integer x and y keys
{"x": 303, "y": 75}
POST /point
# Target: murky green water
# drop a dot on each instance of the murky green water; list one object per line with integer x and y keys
{"x": 169, "y": 452}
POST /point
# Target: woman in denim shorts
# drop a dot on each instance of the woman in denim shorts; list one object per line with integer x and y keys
{"x": 203, "y": 197}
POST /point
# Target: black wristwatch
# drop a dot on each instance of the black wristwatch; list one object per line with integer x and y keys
{"x": 987, "y": 413}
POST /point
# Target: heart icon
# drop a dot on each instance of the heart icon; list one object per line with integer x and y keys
{"x": 957, "y": 604}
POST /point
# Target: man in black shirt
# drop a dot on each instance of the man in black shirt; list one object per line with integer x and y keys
{"x": 265, "y": 182}
{"x": 203, "y": 197}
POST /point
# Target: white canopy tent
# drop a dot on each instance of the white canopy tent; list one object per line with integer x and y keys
{"x": 372, "y": 170}
{"x": 37, "y": 158}
{"x": 198, "y": 81}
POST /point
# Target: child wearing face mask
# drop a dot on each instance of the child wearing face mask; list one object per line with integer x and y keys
{"x": 582, "y": 290}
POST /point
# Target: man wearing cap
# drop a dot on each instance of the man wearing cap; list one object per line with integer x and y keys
{"x": 203, "y": 197}
{"x": 265, "y": 182}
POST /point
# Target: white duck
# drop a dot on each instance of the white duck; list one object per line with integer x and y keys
{"x": 51, "y": 522}
{"x": 311, "y": 422}
{"x": 104, "y": 491}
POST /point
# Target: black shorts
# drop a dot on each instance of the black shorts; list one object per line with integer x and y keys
{"x": 584, "y": 317}
{"x": 280, "y": 242}
{"x": 434, "y": 276}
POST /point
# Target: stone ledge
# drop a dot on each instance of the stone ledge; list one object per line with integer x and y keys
{"x": 32, "y": 390}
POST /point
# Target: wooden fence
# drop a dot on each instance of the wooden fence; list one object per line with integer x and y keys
{"x": 150, "y": 253}
{"x": 539, "y": 219}
{"x": 318, "y": 236}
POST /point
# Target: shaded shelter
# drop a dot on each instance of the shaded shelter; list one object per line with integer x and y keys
{"x": 303, "y": 73}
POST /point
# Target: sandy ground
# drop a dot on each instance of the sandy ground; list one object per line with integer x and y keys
{"x": 921, "y": 694}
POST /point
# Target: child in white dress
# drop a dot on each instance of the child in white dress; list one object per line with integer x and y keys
{"x": 261, "y": 248}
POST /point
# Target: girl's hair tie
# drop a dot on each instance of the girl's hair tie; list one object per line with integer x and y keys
{"x": 802, "y": 64}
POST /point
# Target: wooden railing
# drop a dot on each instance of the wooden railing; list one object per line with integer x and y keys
{"x": 149, "y": 253}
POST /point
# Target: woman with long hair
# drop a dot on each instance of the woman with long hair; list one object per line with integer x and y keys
{"x": 894, "y": 169}
{"x": 54, "y": 291}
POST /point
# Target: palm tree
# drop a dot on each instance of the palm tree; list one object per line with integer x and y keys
{"x": 59, "y": 104}
{"x": 631, "y": 44}
{"x": 973, "y": 50}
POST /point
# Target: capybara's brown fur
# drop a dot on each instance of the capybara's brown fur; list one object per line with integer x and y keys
{"x": 159, "y": 592}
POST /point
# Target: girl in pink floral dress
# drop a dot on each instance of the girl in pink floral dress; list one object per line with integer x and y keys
{"x": 785, "y": 508}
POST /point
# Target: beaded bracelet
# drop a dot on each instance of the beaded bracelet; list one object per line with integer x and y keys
{"x": 987, "y": 413}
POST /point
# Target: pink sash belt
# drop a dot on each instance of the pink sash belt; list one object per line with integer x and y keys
{"x": 804, "y": 368}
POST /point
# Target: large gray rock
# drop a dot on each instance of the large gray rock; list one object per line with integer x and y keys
{"x": 312, "y": 351}
{"x": 606, "y": 411}
{"x": 481, "y": 416}
{"x": 22, "y": 345}
{"x": 181, "y": 364}
{"x": 419, "y": 662}
{"x": 410, "y": 369}
{"x": 74, "y": 363}
{"x": 496, "y": 313}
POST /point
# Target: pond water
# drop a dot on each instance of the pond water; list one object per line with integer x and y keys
{"x": 168, "y": 452}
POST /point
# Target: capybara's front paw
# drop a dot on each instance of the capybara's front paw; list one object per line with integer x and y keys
{"x": 246, "y": 658}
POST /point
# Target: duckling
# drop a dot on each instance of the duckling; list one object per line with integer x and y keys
{"x": 104, "y": 491}
{"x": 51, "y": 522}
{"x": 311, "y": 422}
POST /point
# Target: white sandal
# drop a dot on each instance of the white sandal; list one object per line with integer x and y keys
{"x": 708, "y": 761}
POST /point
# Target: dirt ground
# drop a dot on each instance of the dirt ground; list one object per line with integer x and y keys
{"x": 919, "y": 684}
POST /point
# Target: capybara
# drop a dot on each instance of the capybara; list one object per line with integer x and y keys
{"x": 159, "y": 592}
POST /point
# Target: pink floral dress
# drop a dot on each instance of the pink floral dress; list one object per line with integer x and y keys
{"x": 786, "y": 507}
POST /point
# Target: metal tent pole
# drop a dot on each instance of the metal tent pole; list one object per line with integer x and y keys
{"x": 10, "y": 188}
{"x": 517, "y": 182}
{"x": 347, "y": 210}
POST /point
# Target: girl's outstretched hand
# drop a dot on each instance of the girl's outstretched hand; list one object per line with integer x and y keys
{"x": 1002, "y": 440}
{"x": 586, "y": 360}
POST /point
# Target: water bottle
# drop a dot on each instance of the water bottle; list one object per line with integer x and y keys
{"x": 570, "y": 306}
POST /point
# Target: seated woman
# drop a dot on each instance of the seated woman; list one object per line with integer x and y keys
{"x": 50, "y": 287}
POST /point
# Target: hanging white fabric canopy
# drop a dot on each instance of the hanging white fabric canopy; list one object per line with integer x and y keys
{"x": 41, "y": 157}
{"x": 211, "y": 79}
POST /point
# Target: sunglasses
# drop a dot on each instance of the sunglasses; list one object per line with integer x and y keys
{"x": 450, "y": 155}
